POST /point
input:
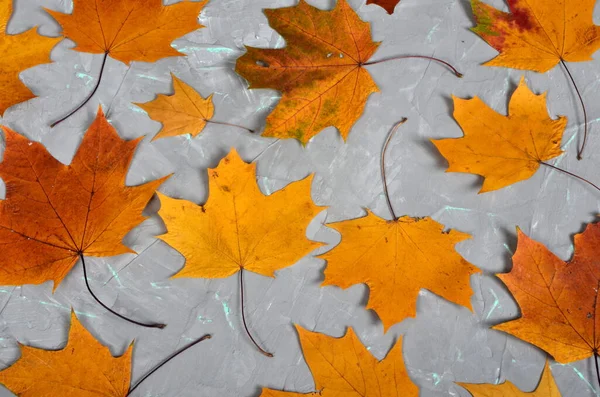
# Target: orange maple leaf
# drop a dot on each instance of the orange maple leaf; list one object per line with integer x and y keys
{"x": 53, "y": 213}
{"x": 342, "y": 367}
{"x": 83, "y": 368}
{"x": 320, "y": 72}
{"x": 387, "y": 5}
{"x": 557, "y": 299}
{"x": 19, "y": 52}
{"x": 396, "y": 259}
{"x": 503, "y": 149}
{"x": 129, "y": 30}
{"x": 545, "y": 388}
{"x": 537, "y": 34}
{"x": 184, "y": 112}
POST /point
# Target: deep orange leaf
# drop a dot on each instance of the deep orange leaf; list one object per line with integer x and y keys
{"x": 537, "y": 34}
{"x": 545, "y": 388}
{"x": 503, "y": 149}
{"x": 83, "y": 368}
{"x": 129, "y": 30}
{"x": 19, "y": 52}
{"x": 320, "y": 72}
{"x": 387, "y": 5}
{"x": 396, "y": 259}
{"x": 53, "y": 212}
{"x": 557, "y": 299}
{"x": 342, "y": 367}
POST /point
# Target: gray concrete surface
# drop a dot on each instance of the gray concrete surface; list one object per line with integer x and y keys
{"x": 444, "y": 343}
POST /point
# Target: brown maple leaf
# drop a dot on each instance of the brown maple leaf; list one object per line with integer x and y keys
{"x": 53, "y": 213}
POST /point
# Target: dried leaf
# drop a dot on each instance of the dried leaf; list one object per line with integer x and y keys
{"x": 54, "y": 212}
{"x": 342, "y": 367}
{"x": 19, "y": 52}
{"x": 83, "y": 368}
{"x": 184, "y": 112}
{"x": 387, "y": 5}
{"x": 320, "y": 72}
{"x": 503, "y": 149}
{"x": 396, "y": 259}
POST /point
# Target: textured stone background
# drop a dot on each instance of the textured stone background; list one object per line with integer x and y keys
{"x": 443, "y": 344}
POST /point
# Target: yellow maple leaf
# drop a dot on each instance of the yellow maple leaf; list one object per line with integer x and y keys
{"x": 342, "y": 367}
{"x": 320, "y": 72}
{"x": 545, "y": 388}
{"x": 503, "y": 149}
{"x": 184, "y": 112}
{"x": 83, "y": 368}
{"x": 19, "y": 52}
{"x": 396, "y": 259}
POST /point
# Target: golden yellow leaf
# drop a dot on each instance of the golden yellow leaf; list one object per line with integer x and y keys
{"x": 546, "y": 388}
{"x": 537, "y": 34}
{"x": 343, "y": 367}
{"x": 54, "y": 212}
{"x": 19, "y": 52}
{"x": 184, "y": 112}
{"x": 320, "y": 72}
{"x": 396, "y": 259}
{"x": 503, "y": 149}
{"x": 129, "y": 30}
{"x": 239, "y": 227}
{"x": 83, "y": 368}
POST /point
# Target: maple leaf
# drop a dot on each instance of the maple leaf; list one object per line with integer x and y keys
{"x": 19, "y": 52}
{"x": 545, "y": 388}
{"x": 83, "y": 368}
{"x": 344, "y": 367}
{"x": 396, "y": 259}
{"x": 129, "y": 30}
{"x": 503, "y": 149}
{"x": 320, "y": 72}
{"x": 557, "y": 299}
{"x": 54, "y": 213}
{"x": 537, "y": 34}
{"x": 387, "y": 5}
{"x": 184, "y": 112}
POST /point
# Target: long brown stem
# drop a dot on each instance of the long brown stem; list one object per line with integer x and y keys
{"x": 456, "y": 72}
{"x": 585, "y": 127}
{"x": 172, "y": 356}
{"x": 87, "y": 284}
{"x": 230, "y": 125}
{"x": 88, "y": 97}
{"x": 266, "y": 353}
{"x": 571, "y": 174}
{"x": 385, "y": 145}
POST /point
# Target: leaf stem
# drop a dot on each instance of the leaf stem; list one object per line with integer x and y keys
{"x": 230, "y": 125}
{"x": 456, "y": 72}
{"x": 596, "y": 364}
{"x": 87, "y": 284}
{"x": 172, "y": 356}
{"x": 88, "y": 97}
{"x": 585, "y": 122}
{"x": 385, "y": 145}
{"x": 571, "y": 174}
{"x": 261, "y": 350}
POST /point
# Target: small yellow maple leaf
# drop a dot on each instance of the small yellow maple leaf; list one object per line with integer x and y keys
{"x": 19, "y": 52}
{"x": 545, "y": 388}
{"x": 184, "y": 112}
{"x": 503, "y": 149}
{"x": 343, "y": 367}
{"x": 83, "y": 368}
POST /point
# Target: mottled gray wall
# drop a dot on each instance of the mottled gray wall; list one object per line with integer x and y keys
{"x": 445, "y": 343}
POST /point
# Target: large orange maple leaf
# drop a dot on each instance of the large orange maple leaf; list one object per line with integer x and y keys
{"x": 537, "y": 34}
{"x": 54, "y": 213}
{"x": 558, "y": 299}
{"x": 19, "y": 52}
{"x": 320, "y": 72}
{"x": 343, "y": 367}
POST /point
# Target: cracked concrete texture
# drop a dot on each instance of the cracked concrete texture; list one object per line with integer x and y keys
{"x": 444, "y": 343}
